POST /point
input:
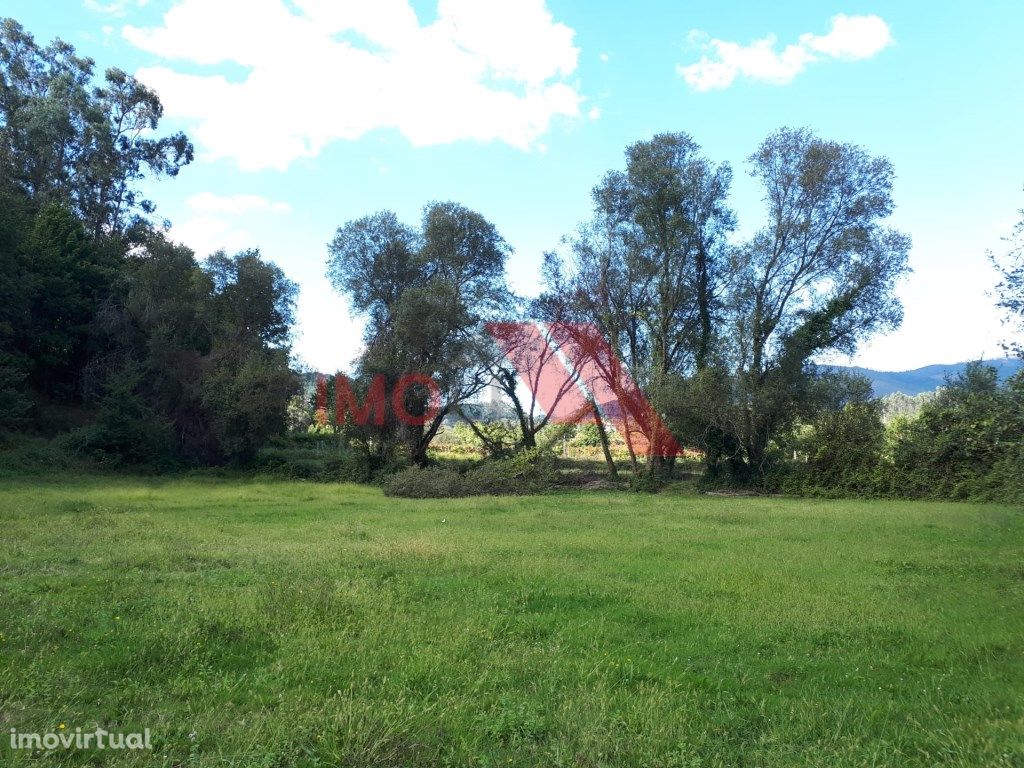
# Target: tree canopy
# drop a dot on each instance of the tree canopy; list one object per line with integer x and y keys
{"x": 425, "y": 295}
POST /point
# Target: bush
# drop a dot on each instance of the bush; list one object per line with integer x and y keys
{"x": 647, "y": 482}
{"x": 22, "y": 455}
{"x": 428, "y": 483}
{"x": 322, "y": 463}
{"x": 798, "y": 479}
{"x": 247, "y": 401}
{"x": 530, "y": 471}
{"x": 127, "y": 431}
{"x": 967, "y": 442}
{"x": 844, "y": 450}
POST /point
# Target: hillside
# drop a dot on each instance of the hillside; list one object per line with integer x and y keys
{"x": 925, "y": 379}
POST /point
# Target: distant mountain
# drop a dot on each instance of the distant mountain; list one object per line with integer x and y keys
{"x": 925, "y": 379}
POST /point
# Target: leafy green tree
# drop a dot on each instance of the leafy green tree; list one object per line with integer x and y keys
{"x": 818, "y": 277}
{"x": 425, "y": 295}
{"x": 15, "y": 405}
{"x": 253, "y": 303}
{"x": 249, "y": 382}
{"x": 165, "y": 330}
{"x": 65, "y": 141}
{"x": 720, "y": 338}
{"x": 208, "y": 346}
{"x": 647, "y": 270}
{"x": 72, "y": 156}
{"x": 101, "y": 304}
{"x": 67, "y": 278}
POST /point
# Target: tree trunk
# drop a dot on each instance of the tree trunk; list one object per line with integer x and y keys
{"x": 660, "y": 466}
{"x": 602, "y": 435}
{"x": 417, "y": 447}
{"x": 704, "y": 310}
{"x": 419, "y": 458}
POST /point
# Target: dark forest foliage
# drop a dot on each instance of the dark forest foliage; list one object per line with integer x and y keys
{"x": 176, "y": 361}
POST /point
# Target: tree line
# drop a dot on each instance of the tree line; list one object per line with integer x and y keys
{"x": 138, "y": 352}
{"x": 103, "y": 319}
{"x": 719, "y": 335}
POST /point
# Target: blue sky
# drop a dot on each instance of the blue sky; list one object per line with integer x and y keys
{"x": 309, "y": 113}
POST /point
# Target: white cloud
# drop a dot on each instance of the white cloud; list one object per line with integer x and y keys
{"x": 849, "y": 39}
{"x": 213, "y": 225}
{"x": 484, "y": 70}
{"x": 207, "y": 234}
{"x": 207, "y": 202}
{"x": 594, "y": 113}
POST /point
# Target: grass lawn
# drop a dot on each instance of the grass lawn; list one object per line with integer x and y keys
{"x": 260, "y": 623}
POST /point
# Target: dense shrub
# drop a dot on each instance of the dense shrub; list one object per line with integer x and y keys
{"x": 647, "y": 482}
{"x": 426, "y": 483}
{"x": 841, "y": 453}
{"x": 324, "y": 463}
{"x": 21, "y": 455}
{"x": 246, "y": 401}
{"x": 527, "y": 472}
{"x": 800, "y": 479}
{"x": 127, "y": 431}
{"x": 967, "y": 442}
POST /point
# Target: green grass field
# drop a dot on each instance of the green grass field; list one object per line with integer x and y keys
{"x": 285, "y": 624}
